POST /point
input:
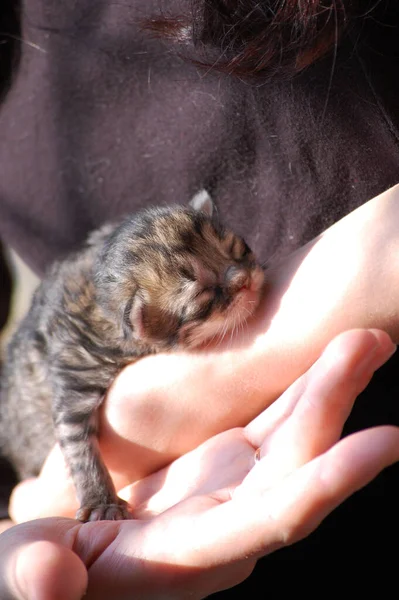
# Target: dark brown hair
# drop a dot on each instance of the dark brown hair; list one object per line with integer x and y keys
{"x": 247, "y": 37}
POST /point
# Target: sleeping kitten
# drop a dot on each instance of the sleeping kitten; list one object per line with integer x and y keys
{"x": 164, "y": 279}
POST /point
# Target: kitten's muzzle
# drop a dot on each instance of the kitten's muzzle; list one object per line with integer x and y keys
{"x": 237, "y": 278}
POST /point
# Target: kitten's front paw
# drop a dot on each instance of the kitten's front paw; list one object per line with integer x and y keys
{"x": 104, "y": 512}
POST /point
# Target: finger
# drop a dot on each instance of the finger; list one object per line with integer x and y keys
{"x": 50, "y": 494}
{"x": 264, "y": 520}
{"x": 46, "y": 570}
{"x": 349, "y": 348}
{"x": 5, "y": 524}
{"x": 41, "y": 569}
{"x": 313, "y": 412}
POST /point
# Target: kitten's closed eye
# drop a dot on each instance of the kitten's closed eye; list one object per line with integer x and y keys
{"x": 206, "y": 305}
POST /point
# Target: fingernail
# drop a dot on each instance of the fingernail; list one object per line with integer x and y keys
{"x": 389, "y": 351}
{"x": 375, "y": 358}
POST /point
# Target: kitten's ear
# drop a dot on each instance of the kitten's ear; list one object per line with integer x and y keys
{"x": 203, "y": 202}
{"x": 133, "y": 322}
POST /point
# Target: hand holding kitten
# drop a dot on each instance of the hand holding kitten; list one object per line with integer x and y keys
{"x": 223, "y": 491}
{"x": 337, "y": 282}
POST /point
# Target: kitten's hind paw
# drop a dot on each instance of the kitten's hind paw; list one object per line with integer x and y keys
{"x": 103, "y": 512}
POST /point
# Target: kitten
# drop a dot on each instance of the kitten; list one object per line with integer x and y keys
{"x": 166, "y": 278}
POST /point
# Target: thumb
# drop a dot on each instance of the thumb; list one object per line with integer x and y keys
{"x": 40, "y": 570}
{"x": 49, "y": 495}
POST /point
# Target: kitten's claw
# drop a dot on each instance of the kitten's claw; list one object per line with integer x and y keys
{"x": 103, "y": 512}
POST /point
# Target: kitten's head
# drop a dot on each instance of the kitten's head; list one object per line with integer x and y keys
{"x": 175, "y": 277}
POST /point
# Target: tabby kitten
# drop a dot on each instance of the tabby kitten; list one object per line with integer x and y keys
{"x": 164, "y": 279}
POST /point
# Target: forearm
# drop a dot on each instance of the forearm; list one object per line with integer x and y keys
{"x": 346, "y": 278}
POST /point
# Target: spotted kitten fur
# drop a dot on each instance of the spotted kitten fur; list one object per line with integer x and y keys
{"x": 164, "y": 279}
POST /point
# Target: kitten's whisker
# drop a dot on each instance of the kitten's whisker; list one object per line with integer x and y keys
{"x": 218, "y": 336}
{"x": 231, "y": 333}
{"x": 225, "y": 330}
{"x": 238, "y": 323}
{"x": 242, "y": 324}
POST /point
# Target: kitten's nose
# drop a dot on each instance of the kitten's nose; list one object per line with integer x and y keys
{"x": 235, "y": 278}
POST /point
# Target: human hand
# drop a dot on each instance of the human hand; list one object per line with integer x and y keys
{"x": 345, "y": 278}
{"x": 203, "y": 521}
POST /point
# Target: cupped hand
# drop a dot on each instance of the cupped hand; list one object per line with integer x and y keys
{"x": 164, "y": 406}
{"x": 203, "y": 521}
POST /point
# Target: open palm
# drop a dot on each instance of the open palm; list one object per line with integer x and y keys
{"x": 201, "y": 523}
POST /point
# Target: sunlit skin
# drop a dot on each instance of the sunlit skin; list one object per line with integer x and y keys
{"x": 189, "y": 516}
{"x": 163, "y": 406}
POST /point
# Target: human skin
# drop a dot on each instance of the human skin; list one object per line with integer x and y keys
{"x": 188, "y": 517}
{"x": 163, "y": 406}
